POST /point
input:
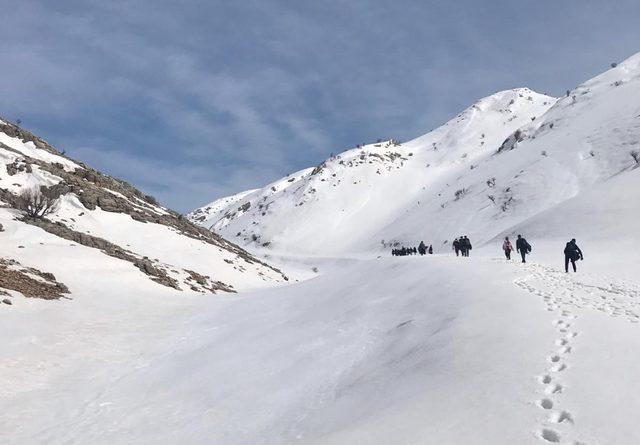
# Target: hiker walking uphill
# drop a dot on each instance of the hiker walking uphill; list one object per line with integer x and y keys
{"x": 572, "y": 253}
{"x": 523, "y": 247}
{"x": 466, "y": 245}
{"x": 422, "y": 248}
{"x": 507, "y": 247}
{"x": 456, "y": 246}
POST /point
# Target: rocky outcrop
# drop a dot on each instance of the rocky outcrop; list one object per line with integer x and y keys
{"x": 25, "y": 136}
{"x": 144, "y": 264}
{"x": 94, "y": 189}
{"x": 202, "y": 283}
{"x": 30, "y": 282}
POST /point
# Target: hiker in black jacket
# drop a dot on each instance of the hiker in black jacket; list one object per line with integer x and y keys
{"x": 572, "y": 253}
{"x": 422, "y": 248}
{"x": 456, "y": 246}
{"x": 466, "y": 243}
{"x": 430, "y": 249}
{"x": 523, "y": 247}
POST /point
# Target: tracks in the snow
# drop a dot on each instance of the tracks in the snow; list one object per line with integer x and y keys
{"x": 552, "y": 383}
{"x": 565, "y": 294}
{"x": 559, "y": 290}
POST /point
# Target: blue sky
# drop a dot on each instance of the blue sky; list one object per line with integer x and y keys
{"x": 194, "y": 100}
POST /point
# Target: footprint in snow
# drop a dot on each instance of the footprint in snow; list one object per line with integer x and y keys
{"x": 561, "y": 416}
{"x": 545, "y": 379}
{"x": 549, "y": 435}
{"x": 553, "y": 389}
{"x": 545, "y": 403}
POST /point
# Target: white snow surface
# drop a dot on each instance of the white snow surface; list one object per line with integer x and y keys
{"x": 367, "y": 348}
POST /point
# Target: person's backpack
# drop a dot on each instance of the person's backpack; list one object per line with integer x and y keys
{"x": 575, "y": 254}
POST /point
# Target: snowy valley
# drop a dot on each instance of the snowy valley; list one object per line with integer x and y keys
{"x": 160, "y": 329}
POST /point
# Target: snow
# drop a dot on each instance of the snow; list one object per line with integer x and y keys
{"x": 411, "y": 350}
{"x": 29, "y": 149}
{"x": 174, "y": 249}
{"x": 366, "y": 348}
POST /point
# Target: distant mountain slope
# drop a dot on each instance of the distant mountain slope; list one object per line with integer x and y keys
{"x": 106, "y": 215}
{"x": 503, "y": 160}
{"x": 369, "y": 194}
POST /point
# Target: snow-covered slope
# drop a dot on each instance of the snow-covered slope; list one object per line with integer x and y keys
{"x": 501, "y": 161}
{"x": 349, "y": 200}
{"x": 128, "y": 230}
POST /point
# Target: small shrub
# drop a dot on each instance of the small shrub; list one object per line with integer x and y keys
{"x": 36, "y": 203}
{"x": 543, "y": 152}
{"x": 491, "y": 182}
{"x": 635, "y": 155}
{"x": 614, "y": 64}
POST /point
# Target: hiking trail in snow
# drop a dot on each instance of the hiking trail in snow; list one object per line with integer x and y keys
{"x": 566, "y": 293}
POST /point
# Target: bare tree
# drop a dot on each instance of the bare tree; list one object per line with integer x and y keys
{"x": 37, "y": 203}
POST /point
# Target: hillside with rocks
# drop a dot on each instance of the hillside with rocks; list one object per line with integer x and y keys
{"x": 99, "y": 213}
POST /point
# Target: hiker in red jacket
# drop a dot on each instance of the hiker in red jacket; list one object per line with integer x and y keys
{"x": 507, "y": 247}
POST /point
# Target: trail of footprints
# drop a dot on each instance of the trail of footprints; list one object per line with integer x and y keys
{"x": 563, "y": 293}
{"x": 559, "y": 290}
{"x": 551, "y": 381}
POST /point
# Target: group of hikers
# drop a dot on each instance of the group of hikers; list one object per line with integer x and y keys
{"x": 522, "y": 246}
{"x": 572, "y": 252}
{"x": 422, "y": 249}
{"x": 462, "y": 245}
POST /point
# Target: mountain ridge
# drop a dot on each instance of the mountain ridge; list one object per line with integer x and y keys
{"x": 502, "y": 160}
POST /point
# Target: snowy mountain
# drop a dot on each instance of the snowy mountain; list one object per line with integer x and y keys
{"x": 374, "y": 349}
{"x": 503, "y": 160}
{"x": 103, "y": 229}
